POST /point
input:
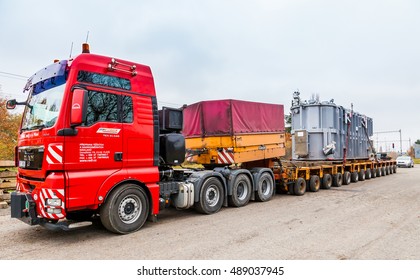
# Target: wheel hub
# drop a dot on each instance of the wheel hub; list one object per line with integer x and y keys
{"x": 129, "y": 209}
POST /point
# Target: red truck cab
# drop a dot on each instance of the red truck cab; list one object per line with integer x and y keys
{"x": 81, "y": 118}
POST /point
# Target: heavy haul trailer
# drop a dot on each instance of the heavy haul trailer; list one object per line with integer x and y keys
{"x": 300, "y": 176}
{"x": 92, "y": 143}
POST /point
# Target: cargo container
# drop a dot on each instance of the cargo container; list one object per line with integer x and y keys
{"x": 224, "y": 132}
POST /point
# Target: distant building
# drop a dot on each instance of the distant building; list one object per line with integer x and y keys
{"x": 416, "y": 151}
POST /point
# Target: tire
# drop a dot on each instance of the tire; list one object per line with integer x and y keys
{"x": 125, "y": 210}
{"x": 355, "y": 177}
{"x": 338, "y": 180}
{"x": 265, "y": 187}
{"x": 346, "y": 178}
{"x": 362, "y": 175}
{"x": 291, "y": 188}
{"x": 327, "y": 181}
{"x": 387, "y": 171}
{"x": 299, "y": 187}
{"x": 378, "y": 172}
{"x": 211, "y": 196}
{"x": 395, "y": 169}
{"x": 383, "y": 172}
{"x": 241, "y": 191}
{"x": 391, "y": 170}
{"x": 368, "y": 174}
{"x": 314, "y": 183}
{"x": 374, "y": 172}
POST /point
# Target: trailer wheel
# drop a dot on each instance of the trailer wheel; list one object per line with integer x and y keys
{"x": 373, "y": 174}
{"x": 355, "y": 176}
{"x": 368, "y": 174}
{"x": 265, "y": 187}
{"x": 314, "y": 183}
{"x": 125, "y": 210}
{"x": 383, "y": 172}
{"x": 300, "y": 187}
{"x": 362, "y": 175}
{"x": 211, "y": 196}
{"x": 241, "y": 191}
{"x": 378, "y": 172}
{"x": 327, "y": 181}
{"x": 337, "y": 180}
{"x": 391, "y": 170}
{"x": 387, "y": 171}
{"x": 395, "y": 169}
{"x": 346, "y": 178}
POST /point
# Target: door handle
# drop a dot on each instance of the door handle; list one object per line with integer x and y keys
{"x": 118, "y": 156}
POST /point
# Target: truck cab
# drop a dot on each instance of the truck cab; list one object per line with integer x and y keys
{"x": 90, "y": 124}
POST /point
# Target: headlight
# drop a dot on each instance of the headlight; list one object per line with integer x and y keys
{"x": 53, "y": 202}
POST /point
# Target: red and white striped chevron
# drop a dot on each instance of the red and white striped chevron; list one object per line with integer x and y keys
{"x": 225, "y": 156}
{"x": 55, "y": 153}
{"x": 42, "y": 195}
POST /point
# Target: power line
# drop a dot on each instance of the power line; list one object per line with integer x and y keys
{"x": 12, "y": 76}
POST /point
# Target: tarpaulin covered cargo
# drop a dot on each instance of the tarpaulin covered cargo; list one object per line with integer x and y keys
{"x": 232, "y": 117}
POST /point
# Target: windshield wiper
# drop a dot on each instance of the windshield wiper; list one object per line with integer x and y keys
{"x": 39, "y": 126}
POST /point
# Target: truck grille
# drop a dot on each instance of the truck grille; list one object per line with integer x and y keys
{"x": 31, "y": 157}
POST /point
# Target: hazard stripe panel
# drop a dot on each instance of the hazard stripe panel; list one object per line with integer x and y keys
{"x": 225, "y": 157}
{"x": 54, "y": 153}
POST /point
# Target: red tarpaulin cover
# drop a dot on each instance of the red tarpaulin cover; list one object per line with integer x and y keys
{"x": 231, "y": 117}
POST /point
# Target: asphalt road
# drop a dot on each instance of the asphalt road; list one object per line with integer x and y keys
{"x": 375, "y": 219}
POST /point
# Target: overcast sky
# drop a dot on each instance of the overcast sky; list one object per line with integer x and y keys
{"x": 361, "y": 52}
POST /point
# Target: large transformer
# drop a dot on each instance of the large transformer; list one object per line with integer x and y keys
{"x": 326, "y": 131}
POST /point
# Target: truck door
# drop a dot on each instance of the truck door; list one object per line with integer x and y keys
{"x": 95, "y": 153}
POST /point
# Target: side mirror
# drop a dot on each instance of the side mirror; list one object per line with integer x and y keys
{"x": 78, "y": 107}
{"x": 11, "y": 104}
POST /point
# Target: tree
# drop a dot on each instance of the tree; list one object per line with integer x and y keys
{"x": 417, "y": 142}
{"x": 9, "y": 124}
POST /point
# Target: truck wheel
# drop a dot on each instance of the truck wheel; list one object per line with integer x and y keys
{"x": 241, "y": 191}
{"x": 346, "y": 178}
{"x": 373, "y": 174}
{"x": 383, "y": 172}
{"x": 314, "y": 183}
{"x": 327, "y": 181}
{"x": 338, "y": 180}
{"x": 362, "y": 175}
{"x": 211, "y": 196}
{"x": 265, "y": 187}
{"x": 395, "y": 169}
{"x": 125, "y": 210}
{"x": 388, "y": 170}
{"x": 368, "y": 174}
{"x": 378, "y": 172}
{"x": 300, "y": 187}
{"x": 355, "y": 176}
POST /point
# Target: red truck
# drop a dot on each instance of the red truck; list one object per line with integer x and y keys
{"x": 92, "y": 142}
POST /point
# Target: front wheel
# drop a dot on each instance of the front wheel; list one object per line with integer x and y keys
{"x": 211, "y": 196}
{"x": 125, "y": 210}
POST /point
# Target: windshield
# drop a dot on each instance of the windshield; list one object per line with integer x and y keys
{"x": 43, "y": 108}
{"x": 46, "y": 91}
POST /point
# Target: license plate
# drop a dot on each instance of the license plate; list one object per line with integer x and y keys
{"x": 22, "y": 163}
